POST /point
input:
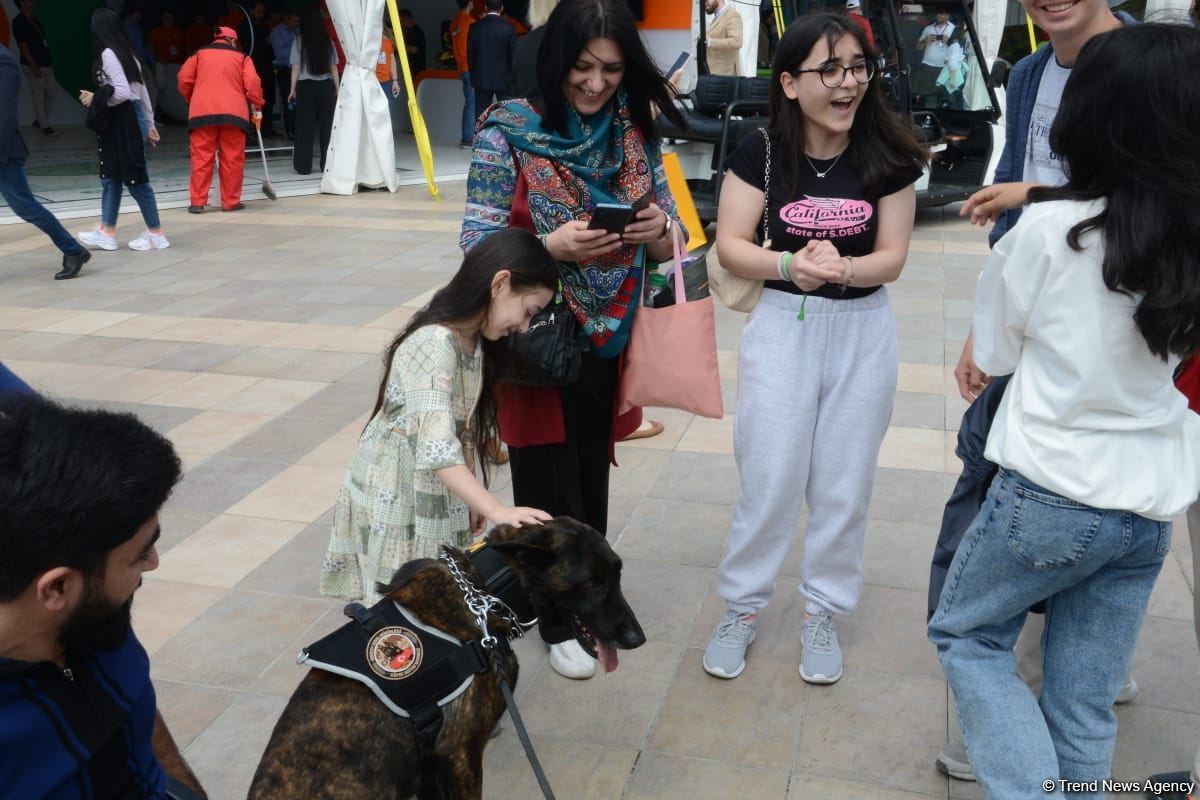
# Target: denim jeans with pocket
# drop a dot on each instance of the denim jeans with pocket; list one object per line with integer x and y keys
{"x": 1095, "y": 569}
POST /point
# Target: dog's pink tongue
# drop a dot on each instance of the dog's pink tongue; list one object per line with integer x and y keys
{"x": 607, "y": 655}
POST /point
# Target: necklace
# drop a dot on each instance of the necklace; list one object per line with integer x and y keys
{"x": 821, "y": 174}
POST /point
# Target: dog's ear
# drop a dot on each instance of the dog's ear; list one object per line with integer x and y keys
{"x": 530, "y": 544}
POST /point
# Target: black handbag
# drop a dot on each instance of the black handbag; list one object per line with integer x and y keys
{"x": 549, "y": 352}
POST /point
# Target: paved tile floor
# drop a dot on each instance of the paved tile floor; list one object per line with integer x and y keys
{"x": 254, "y": 343}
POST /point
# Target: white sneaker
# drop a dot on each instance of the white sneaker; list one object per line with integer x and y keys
{"x": 570, "y": 660}
{"x": 98, "y": 240}
{"x": 149, "y": 241}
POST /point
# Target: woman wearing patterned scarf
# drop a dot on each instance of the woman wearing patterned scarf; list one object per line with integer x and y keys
{"x": 542, "y": 164}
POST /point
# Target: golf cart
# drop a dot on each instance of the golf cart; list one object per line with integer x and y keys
{"x": 952, "y": 110}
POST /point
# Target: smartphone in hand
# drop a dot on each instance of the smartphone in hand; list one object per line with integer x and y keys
{"x": 611, "y": 217}
{"x": 614, "y": 217}
{"x": 679, "y": 64}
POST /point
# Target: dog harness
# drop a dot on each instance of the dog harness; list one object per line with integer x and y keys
{"x": 413, "y": 668}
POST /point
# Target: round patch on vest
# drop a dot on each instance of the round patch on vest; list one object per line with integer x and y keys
{"x": 395, "y": 653}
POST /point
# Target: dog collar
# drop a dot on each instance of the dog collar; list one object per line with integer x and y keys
{"x": 499, "y": 580}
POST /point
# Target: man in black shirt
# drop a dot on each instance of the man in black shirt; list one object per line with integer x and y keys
{"x": 35, "y": 63}
{"x": 414, "y": 42}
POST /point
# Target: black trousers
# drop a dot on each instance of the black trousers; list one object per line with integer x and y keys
{"x": 485, "y": 97}
{"x": 571, "y": 478}
{"x": 266, "y": 75}
{"x": 314, "y": 118}
{"x": 283, "y": 86}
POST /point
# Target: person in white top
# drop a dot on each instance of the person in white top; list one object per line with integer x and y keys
{"x": 120, "y": 135}
{"x": 934, "y": 44}
{"x": 1090, "y": 301}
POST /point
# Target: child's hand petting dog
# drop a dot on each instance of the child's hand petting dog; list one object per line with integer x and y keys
{"x": 518, "y": 516}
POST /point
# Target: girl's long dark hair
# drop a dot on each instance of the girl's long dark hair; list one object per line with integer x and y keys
{"x": 883, "y": 147}
{"x": 468, "y": 297}
{"x": 1127, "y": 132}
{"x": 574, "y": 23}
{"x": 109, "y": 34}
{"x": 315, "y": 44}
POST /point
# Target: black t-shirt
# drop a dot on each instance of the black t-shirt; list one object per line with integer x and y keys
{"x": 415, "y": 37}
{"x": 834, "y": 207}
{"x": 29, "y": 33}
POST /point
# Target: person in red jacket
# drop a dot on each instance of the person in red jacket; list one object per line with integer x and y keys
{"x": 217, "y": 81}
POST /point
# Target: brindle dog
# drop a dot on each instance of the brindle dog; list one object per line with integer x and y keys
{"x": 336, "y": 741}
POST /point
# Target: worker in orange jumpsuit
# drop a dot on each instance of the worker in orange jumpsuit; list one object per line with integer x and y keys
{"x": 218, "y": 81}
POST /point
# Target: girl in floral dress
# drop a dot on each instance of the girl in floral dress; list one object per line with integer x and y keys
{"x": 412, "y": 484}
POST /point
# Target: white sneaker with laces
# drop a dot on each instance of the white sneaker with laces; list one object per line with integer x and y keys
{"x": 149, "y": 241}
{"x": 98, "y": 240}
{"x": 570, "y": 660}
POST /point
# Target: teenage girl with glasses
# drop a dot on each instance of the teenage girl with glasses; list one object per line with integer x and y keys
{"x": 817, "y": 367}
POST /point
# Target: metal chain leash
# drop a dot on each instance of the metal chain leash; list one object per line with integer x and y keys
{"x": 481, "y": 604}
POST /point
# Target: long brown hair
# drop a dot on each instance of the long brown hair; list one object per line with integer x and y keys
{"x": 467, "y": 297}
{"x": 885, "y": 149}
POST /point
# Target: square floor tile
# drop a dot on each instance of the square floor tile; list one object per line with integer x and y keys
{"x": 883, "y": 730}
{"x": 225, "y": 550}
{"x": 574, "y": 769}
{"x": 753, "y": 720}
{"x": 225, "y": 756}
{"x": 659, "y": 776}
{"x": 299, "y": 494}
{"x": 615, "y": 709}
{"x": 231, "y": 643}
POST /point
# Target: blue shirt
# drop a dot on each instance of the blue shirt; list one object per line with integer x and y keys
{"x": 281, "y": 43}
{"x": 1021, "y": 96}
{"x": 11, "y": 383}
{"x": 80, "y": 733}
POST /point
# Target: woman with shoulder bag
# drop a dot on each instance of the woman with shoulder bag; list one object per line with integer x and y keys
{"x": 120, "y": 137}
{"x": 543, "y": 164}
{"x": 832, "y": 183}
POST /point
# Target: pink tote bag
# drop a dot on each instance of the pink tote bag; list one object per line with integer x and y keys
{"x": 671, "y": 358}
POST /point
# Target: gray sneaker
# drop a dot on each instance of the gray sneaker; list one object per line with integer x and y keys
{"x": 953, "y": 761}
{"x": 725, "y": 656}
{"x": 821, "y": 661}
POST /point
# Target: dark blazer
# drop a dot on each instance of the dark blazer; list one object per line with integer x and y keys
{"x": 525, "y": 63}
{"x": 490, "y": 45}
{"x": 12, "y": 146}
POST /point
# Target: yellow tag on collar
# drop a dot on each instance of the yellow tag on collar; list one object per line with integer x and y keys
{"x": 480, "y": 543}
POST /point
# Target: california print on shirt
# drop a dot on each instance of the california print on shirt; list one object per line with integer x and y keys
{"x": 826, "y": 217}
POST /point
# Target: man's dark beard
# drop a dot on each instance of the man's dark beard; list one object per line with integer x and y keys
{"x": 96, "y": 623}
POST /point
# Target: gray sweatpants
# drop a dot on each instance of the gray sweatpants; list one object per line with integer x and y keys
{"x": 814, "y": 400}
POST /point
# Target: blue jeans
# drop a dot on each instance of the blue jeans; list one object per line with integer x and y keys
{"x": 143, "y": 123}
{"x": 110, "y": 202}
{"x": 14, "y": 187}
{"x": 1095, "y": 570}
{"x": 468, "y": 118}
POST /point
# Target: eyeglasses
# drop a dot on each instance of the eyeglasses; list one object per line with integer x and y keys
{"x": 833, "y": 75}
